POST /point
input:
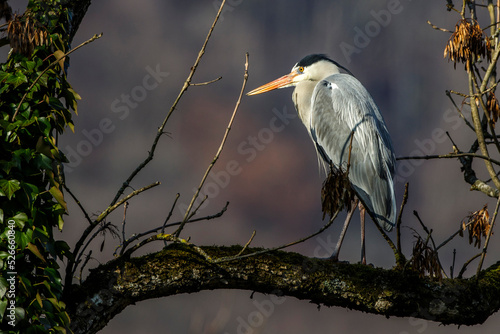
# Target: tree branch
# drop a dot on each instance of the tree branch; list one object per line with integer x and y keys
{"x": 179, "y": 269}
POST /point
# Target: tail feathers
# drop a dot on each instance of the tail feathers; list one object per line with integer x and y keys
{"x": 381, "y": 204}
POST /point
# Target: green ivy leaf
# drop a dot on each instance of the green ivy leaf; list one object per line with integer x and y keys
{"x": 55, "y": 103}
{"x": 16, "y": 79}
{"x": 34, "y": 249}
{"x": 3, "y": 307}
{"x": 8, "y": 188}
{"x": 58, "y": 195}
{"x": 29, "y": 65}
{"x": 20, "y": 219}
{"x": 3, "y": 76}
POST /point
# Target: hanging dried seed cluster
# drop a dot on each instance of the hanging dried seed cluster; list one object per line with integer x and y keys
{"x": 24, "y": 35}
{"x": 493, "y": 107}
{"x": 478, "y": 225}
{"x": 336, "y": 192}
{"x": 467, "y": 41}
{"x": 425, "y": 260}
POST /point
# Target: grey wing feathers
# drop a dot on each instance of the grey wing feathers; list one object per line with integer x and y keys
{"x": 341, "y": 104}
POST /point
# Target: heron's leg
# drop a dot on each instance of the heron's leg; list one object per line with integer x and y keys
{"x": 362, "y": 216}
{"x": 335, "y": 255}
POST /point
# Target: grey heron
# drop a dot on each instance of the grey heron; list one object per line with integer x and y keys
{"x": 333, "y": 107}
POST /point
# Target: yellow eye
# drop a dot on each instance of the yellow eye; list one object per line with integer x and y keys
{"x": 301, "y": 69}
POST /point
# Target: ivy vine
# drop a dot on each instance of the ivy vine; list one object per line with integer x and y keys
{"x": 36, "y": 105}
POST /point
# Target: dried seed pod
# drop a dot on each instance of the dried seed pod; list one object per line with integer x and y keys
{"x": 467, "y": 43}
{"x": 425, "y": 260}
{"x": 478, "y": 225}
{"x": 336, "y": 193}
{"x": 24, "y": 34}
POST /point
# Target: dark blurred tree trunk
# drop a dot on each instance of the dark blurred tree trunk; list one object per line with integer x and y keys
{"x": 179, "y": 269}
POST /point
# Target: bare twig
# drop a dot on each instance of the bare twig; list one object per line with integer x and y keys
{"x": 206, "y": 83}
{"x": 449, "y": 156}
{"x": 160, "y": 131}
{"x": 452, "y": 267}
{"x": 170, "y": 214}
{"x": 79, "y": 254}
{"x": 234, "y": 258}
{"x": 197, "y": 207}
{"x": 464, "y": 267}
{"x": 77, "y": 201}
{"x": 219, "y": 151}
{"x": 398, "y": 221}
{"x": 167, "y": 237}
{"x": 87, "y": 258}
{"x": 247, "y": 244}
{"x": 164, "y": 226}
{"x": 110, "y": 209}
{"x": 71, "y": 267}
{"x": 459, "y": 111}
{"x": 452, "y": 236}
{"x": 437, "y": 28}
{"x": 125, "y": 206}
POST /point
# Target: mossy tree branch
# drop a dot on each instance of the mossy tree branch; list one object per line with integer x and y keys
{"x": 178, "y": 269}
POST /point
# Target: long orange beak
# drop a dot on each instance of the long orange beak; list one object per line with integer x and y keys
{"x": 278, "y": 83}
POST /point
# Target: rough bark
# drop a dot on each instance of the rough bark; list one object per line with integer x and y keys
{"x": 177, "y": 269}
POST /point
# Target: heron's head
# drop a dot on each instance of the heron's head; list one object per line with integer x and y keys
{"x": 314, "y": 67}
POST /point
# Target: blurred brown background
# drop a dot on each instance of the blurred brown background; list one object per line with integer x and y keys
{"x": 272, "y": 180}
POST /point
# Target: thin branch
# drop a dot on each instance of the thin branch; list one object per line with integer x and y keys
{"x": 459, "y": 111}
{"x": 464, "y": 267}
{"x": 238, "y": 257}
{"x": 168, "y": 216}
{"x": 79, "y": 254}
{"x": 54, "y": 63}
{"x": 206, "y": 83}
{"x": 398, "y": 221}
{"x": 452, "y": 236}
{"x": 110, "y": 209}
{"x": 125, "y": 206}
{"x": 72, "y": 264}
{"x": 167, "y": 237}
{"x": 452, "y": 267}
{"x": 247, "y": 244}
{"x": 87, "y": 258}
{"x": 160, "y": 131}
{"x": 77, "y": 201}
{"x": 449, "y": 156}
{"x": 193, "y": 213}
{"x": 164, "y": 226}
{"x": 437, "y": 28}
{"x": 219, "y": 151}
